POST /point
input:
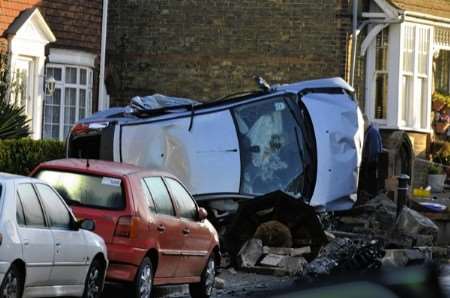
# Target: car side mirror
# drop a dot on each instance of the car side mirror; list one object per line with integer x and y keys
{"x": 202, "y": 214}
{"x": 87, "y": 224}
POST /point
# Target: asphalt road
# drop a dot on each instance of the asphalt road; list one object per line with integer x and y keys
{"x": 237, "y": 284}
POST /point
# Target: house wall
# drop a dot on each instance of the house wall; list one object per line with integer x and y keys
{"x": 76, "y": 24}
{"x": 207, "y": 49}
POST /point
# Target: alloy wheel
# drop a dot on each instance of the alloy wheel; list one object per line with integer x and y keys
{"x": 145, "y": 282}
{"x": 93, "y": 284}
{"x": 210, "y": 277}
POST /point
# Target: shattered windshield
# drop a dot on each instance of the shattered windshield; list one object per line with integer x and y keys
{"x": 271, "y": 143}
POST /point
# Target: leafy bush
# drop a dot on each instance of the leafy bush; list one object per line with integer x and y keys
{"x": 435, "y": 170}
{"x": 21, "y": 156}
{"x": 13, "y": 121}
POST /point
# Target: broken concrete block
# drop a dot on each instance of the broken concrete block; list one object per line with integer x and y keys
{"x": 404, "y": 257}
{"x": 301, "y": 251}
{"x": 272, "y": 260}
{"x": 274, "y": 233}
{"x": 284, "y": 251}
{"x": 250, "y": 253}
{"x": 413, "y": 223}
{"x": 293, "y": 265}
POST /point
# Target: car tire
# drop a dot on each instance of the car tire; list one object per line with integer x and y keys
{"x": 93, "y": 286}
{"x": 143, "y": 283}
{"x": 12, "y": 284}
{"x": 205, "y": 287}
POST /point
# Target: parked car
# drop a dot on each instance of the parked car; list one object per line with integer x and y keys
{"x": 154, "y": 231}
{"x": 44, "y": 250}
{"x": 304, "y": 138}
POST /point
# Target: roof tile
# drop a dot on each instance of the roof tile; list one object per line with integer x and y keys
{"x": 439, "y": 8}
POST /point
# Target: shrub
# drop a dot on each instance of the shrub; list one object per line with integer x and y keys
{"x": 435, "y": 170}
{"x": 13, "y": 121}
{"x": 21, "y": 156}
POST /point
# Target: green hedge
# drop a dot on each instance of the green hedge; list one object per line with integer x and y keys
{"x": 21, "y": 156}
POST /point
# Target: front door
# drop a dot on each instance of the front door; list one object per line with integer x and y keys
{"x": 36, "y": 237}
{"x": 197, "y": 237}
{"x": 23, "y": 84}
{"x": 71, "y": 263}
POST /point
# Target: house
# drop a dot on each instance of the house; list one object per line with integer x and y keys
{"x": 54, "y": 58}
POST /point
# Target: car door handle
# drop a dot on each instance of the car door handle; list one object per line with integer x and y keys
{"x": 58, "y": 244}
{"x": 186, "y": 231}
{"x": 161, "y": 228}
{"x": 26, "y": 242}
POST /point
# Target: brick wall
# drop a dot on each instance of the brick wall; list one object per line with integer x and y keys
{"x": 206, "y": 49}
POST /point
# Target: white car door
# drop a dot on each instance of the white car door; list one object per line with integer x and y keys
{"x": 36, "y": 237}
{"x": 71, "y": 260}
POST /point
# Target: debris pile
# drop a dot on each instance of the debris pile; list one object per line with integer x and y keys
{"x": 346, "y": 255}
{"x": 377, "y": 219}
{"x": 280, "y": 235}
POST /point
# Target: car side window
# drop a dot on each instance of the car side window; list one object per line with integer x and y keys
{"x": 32, "y": 208}
{"x": 148, "y": 197}
{"x": 19, "y": 212}
{"x": 184, "y": 201}
{"x": 57, "y": 212}
{"x": 160, "y": 195}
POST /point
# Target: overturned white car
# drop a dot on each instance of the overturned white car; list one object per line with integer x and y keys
{"x": 304, "y": 138}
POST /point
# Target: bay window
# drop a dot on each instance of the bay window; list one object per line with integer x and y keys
{"x": 70, "y": 102}
{"x": 415, "y": 75}
{"x": 381, "y": 75}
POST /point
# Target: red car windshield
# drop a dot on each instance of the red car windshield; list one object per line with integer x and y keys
{"x": 86, "y": 190}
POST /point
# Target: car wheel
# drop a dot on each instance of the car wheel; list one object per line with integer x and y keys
{"x": 144, "y": 280}
{"x": 12, "y": 284}
{"x": 205, "y": 287}
{"x": 94, "y": 280}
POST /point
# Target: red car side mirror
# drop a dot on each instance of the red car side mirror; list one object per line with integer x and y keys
{"x": 202, "y": 214}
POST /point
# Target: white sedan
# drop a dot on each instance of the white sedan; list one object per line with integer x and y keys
{"x": 44, "y": 250}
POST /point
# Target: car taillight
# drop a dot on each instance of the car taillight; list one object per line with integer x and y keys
{"x": 127, "y": 227}
{"x": 80, "y": 129}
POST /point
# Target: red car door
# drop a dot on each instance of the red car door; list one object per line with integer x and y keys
{"x": 167, "y": 226}
{"x": 197, "y": 236}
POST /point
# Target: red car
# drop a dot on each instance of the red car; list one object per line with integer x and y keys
{"x": 154, "y": 231}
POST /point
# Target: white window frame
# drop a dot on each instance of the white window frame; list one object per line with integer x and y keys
{"x": 395, "y": 76}
{"x": 63, "y": 85}
{"x": 419, "y": 104}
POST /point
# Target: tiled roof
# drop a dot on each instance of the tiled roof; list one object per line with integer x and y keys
{"x": 439, "y": 8}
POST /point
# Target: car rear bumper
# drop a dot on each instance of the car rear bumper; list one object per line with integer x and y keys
{"x": 123, "y": 262}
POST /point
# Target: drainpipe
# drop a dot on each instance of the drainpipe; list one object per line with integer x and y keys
{"x": 101, "y": 82}
{"x": 354, "y": 41}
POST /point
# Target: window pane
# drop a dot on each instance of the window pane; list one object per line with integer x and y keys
{"x": 52, "y": 108}
{"x": 148, "y": 197}
{"x": 55, "y": 209}
{"x": 31, "y": 206}
{"x": 272, "y": 153}
{"x": 19, "y": 212}
{"x": 407, "y": 99}
{"x": 71, "y": 75}
{"x": 54, "y": 72}
{"x": 160, "y": 195}
{"x": 382, "y": 50}
{"x": 381, "y": 94}
{"x": 184, "y": 201}
{"x": 86, "y": 190}
{"x": 408, "y": 48}
{"x": 442, "y": 72}
{"x": 83, "y": 77}
{"x": 70, "y": 109}
{"x": 82, "y": 106}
